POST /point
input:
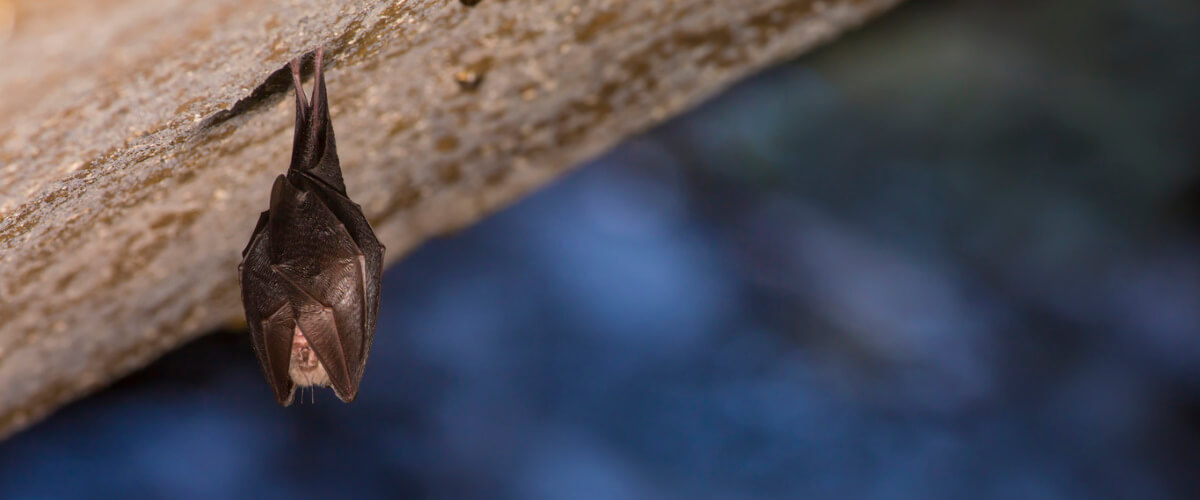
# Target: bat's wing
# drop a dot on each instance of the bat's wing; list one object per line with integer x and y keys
{"x": 351, "y": 216}
{"x": 314, "y": 150}
{"x": 325, "y": 276}
{"x": 268, "y": 313}
{"x": 259, "y": 233}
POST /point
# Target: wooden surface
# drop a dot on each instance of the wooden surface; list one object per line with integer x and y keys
{"x": 140, "y": 139}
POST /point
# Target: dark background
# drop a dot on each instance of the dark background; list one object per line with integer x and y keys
{"x": 953, "y": 255}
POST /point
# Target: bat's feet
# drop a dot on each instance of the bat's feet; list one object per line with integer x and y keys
{"x": 301, "y": 100}
{"x": 303, "y": 105}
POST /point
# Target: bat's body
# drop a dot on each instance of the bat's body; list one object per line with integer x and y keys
{"x": 312, "y": 272}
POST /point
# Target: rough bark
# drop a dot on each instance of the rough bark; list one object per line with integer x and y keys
{"x": 140, "y": 139}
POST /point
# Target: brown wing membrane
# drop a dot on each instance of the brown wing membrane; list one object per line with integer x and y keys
{"x": 276, "y": 354}
{"x": 268, "y": 314}
{"x": 323, "y": 272}
{"x": 313, "y": 262}
{"x": 352, "y": 218}
{"x": 259, "y": 227}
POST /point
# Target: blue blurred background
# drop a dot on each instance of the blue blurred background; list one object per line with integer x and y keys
{"x": 953, "y": 255}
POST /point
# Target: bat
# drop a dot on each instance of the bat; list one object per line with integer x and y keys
{"x": 312, "y": 271}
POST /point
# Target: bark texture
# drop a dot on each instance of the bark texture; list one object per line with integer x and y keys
{"x": 140, "y": 139}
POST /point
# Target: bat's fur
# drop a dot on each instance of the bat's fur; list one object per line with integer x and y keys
{"x": 312, "y": 272}
{"x": 305, "y": 369}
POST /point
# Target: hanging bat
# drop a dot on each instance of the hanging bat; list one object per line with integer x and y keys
{"x": 312, "y": 272}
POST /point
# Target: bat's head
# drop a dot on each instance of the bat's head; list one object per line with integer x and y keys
{"x": 305, "y": 369}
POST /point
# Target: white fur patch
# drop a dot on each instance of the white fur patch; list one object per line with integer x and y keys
{"x": 304, "y": 369}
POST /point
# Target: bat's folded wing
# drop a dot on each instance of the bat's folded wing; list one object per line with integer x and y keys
{"x": 324, "y": 274}
{"x": 351, "y": 216}
{"x": 268, "y": 314}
